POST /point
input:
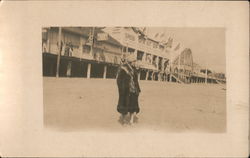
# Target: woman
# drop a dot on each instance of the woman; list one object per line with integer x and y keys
{"x": 129, "y": 89}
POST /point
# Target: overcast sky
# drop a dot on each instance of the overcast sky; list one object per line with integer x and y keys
{"x": 207, "y": 44}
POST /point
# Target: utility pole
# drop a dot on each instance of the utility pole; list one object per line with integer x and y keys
{"x": 92, "y": 42}
{"x": 59, "y": 52}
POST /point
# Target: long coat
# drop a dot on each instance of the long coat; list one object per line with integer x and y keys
{"x": 129, "y": 89}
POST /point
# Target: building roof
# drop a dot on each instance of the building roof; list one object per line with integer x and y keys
{"x": 111, "y": 39}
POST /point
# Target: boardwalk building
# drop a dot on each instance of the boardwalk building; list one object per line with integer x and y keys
{"x": 95, "y": 52}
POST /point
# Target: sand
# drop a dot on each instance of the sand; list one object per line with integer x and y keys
{"x": 80, "y": 104}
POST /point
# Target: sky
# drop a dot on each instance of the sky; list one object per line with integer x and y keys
{"x": 207, "y": 44}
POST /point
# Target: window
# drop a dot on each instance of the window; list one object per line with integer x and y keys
{"x": 142, "y": 40}
{"x": 155, "y": 45}
{"x": 148, "y": 42}
{"x": 130, "y": 37}
{"x": 86, "y": 49}
{"x": 139, "y": 55}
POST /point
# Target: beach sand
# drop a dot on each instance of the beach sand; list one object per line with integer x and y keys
{"x": 80, "y": 104}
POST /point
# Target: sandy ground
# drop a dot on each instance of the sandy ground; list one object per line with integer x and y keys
{"x": 73, "y": 104}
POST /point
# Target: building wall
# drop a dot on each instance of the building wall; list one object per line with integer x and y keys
{"x": 102, "y": 50}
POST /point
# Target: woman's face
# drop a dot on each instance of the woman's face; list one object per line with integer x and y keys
{"x": 135, "y": 64}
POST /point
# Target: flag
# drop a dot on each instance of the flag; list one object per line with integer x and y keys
{"x": 102, "y": 36}
{"x": 177, "y": 47}
{"x": 162, "y": 38}
{"x": 169, "y": 43}
{"x": 91, "y": 38}
{"x": 162, "y": 35}
{"x": 156, "y": 35}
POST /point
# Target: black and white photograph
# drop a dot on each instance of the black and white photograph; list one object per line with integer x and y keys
{"x": 158, "y": 78}
{"x": 124, "y": 78}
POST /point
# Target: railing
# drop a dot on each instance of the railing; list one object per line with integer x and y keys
{"x": 181, "y": 79}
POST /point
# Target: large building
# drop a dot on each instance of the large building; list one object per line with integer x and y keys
{"x": 95, "y": 52}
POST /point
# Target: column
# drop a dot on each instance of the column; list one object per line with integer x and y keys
{"x": 135, "y": 53}
{"x": 139, "y": 75}
{"x": 105, "y": 71}
{"x": 170, "y": 76}
{"x": 144, "y": 57}
{"x": 80, "y": 48}
{"x": 162, "y": 64}
{"x": 68, "y": 73}
{"x": 59, "y": 51}
{"x": 116, "y": 75}
{"x": 92, "y": 42}
{"x": 48, "y": 40}
{"x": 146, "y": 75}
{"x": 89, "y": 70}
{"x": 157, "y": 62}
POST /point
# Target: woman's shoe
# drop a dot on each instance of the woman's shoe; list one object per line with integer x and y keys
{"x": 136, "y": 119}
{"x": 121, "y": 120}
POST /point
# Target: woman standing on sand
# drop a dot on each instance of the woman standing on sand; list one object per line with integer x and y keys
{"x": 129, "y": 89}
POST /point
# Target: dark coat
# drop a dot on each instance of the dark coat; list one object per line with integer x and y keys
{"x": 129, "y": 89}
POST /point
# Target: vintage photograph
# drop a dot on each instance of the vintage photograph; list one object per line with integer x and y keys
{"x": 124, "y": 79}
{"x": 134, "y": 78}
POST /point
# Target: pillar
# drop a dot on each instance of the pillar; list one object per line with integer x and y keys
{"x": 48, "y": 40}
{"x": 159, "y": 76}
{"x": 136, "y": 53}
{"x": 139, "y": 75}
{"x": 117, "y": 75}
{"x": 147, "y": 75}
{"x": 59, "y": 51}
{"x": 105, "y": 71}
{"x": 162, "y": 63}
{"x": 143, "y": 57}
{"x": 69, "y": 68}
{"x": 89, "y": 70}
{"x": 157, "y": 62}
{"x": 80, "y": 47}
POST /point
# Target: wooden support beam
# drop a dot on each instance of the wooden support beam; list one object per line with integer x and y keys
{"x": 147, "y": 72}
{"x": 105, "y": 71}
{"x": 59, "y": 52}
{"x": 89, "y": 70}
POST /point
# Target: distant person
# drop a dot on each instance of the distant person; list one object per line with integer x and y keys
{"x": 70, "y": 49}
{"x": 129, "y": 89}
{"x": 61, "y": 49}
{"x": 44, "y": 45}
